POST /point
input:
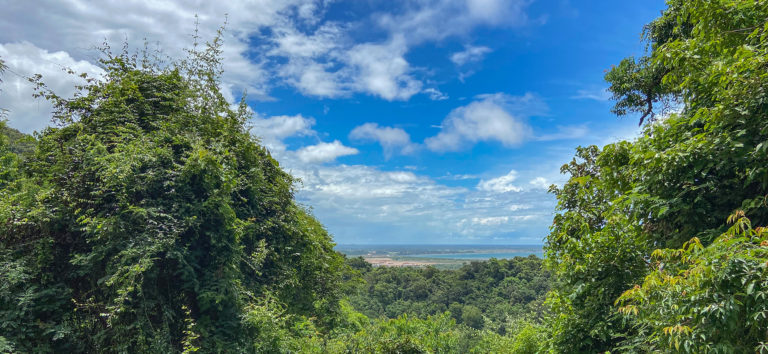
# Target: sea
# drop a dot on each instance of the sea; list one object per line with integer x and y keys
{"x": 456, "y": 252}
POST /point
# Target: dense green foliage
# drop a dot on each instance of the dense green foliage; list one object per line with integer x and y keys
{"x": 437, "y": 334}
{"x": 18, "y": 142}
{"x": 151, "y": 219}
{"x": 672, "y": 188}
{"x": 479, "y": 294}
{"x": 705, "y": 299}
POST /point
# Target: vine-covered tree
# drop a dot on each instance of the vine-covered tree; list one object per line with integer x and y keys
{"x": 150, "y": 219}
{"x": 695, "y": 164}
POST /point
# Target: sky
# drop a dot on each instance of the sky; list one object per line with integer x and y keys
{"x": 408, "y": 122}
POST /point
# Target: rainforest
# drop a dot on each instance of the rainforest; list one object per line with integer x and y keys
{"x": 149, "y": 215}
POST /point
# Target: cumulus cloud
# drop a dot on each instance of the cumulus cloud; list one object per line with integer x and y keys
{"x": 497, "y": 117}
{"x": 310, "y": 59}
{"x": 439, "y": 19}
{"x": 470, "y": 54}
{"x": 324, "y": 152}
{"x": 326, "y": 62}
{"x": 312, "y": 79}
{"x": 458, "y": 177}
{"x": 382, "y": 70}
{"x": 501, "y": 184}
{"x": 516, "y": 207}
{"x": 368, "y": 204}
{"x": 24, "y": 59}
{"x": 270, "y": 42}
{"x": 392, "y": 140}
{"x": 273, "y": 130}
{"x": 280, "y": 127}
{"x": 289, "y": 42}
{"x": 77, "y": 26}
{"x": 65, "y": 34}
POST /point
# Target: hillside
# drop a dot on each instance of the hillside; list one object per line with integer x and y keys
{"x": 18, "y": 142}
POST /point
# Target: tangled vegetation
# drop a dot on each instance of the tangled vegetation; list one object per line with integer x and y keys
{"x": 149, "y": 219}
{"x": 700, "y": 161}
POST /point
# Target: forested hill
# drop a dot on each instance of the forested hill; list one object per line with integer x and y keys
{"x": 18, "y": 142}
{"x": 479, "y": 294}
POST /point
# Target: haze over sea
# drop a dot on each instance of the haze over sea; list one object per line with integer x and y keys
{"x": 459, "y": 252}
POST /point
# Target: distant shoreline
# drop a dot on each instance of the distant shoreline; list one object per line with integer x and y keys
{"x": 441, "y": 256}
{"x": 389, "y": 262}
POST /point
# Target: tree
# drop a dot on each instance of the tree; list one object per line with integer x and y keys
{"x": 150, "y": 219}
{"x": 692, "y": 167}
{"x": 472, "y": 317}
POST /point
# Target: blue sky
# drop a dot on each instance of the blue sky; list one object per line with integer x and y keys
{"x": 430, "y": 121}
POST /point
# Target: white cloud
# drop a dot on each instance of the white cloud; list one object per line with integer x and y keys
{"x": 382, "y": 70}
{"x": 498, "y": 11}
{"x": 326, "y": 62}
{"x": 280, "y": 127}
{"x": 76, "y": 26}
{"x": 268, "y": 42}
{"x": 293, "y": 43}
{"x": 330, "y": 65}
{"x": 288, "y": 42}
{"x": 324, "y": 152}
{"x": 435, "y": 94}
{"x": 24, "y": 60}
{"x": 366, "y": 204}
{"x": 516, "y": 207}
{"x": 540, "y": 182}
{"x": 497, "y": 117}
{"x": 312, "y": 79}
{"x": 493, "y": 220}
{"x": 274, "y": 129}
{"x": 392, "y": 140}
{"x": 470, "y": 54}
{"x": 66, "y": 33}
{"x": 309, "y": 68}
{"x": 501, "y": 184}
{"x": 439, "y": 19}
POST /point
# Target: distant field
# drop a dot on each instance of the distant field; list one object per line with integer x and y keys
{"x": 441, "y": 256}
